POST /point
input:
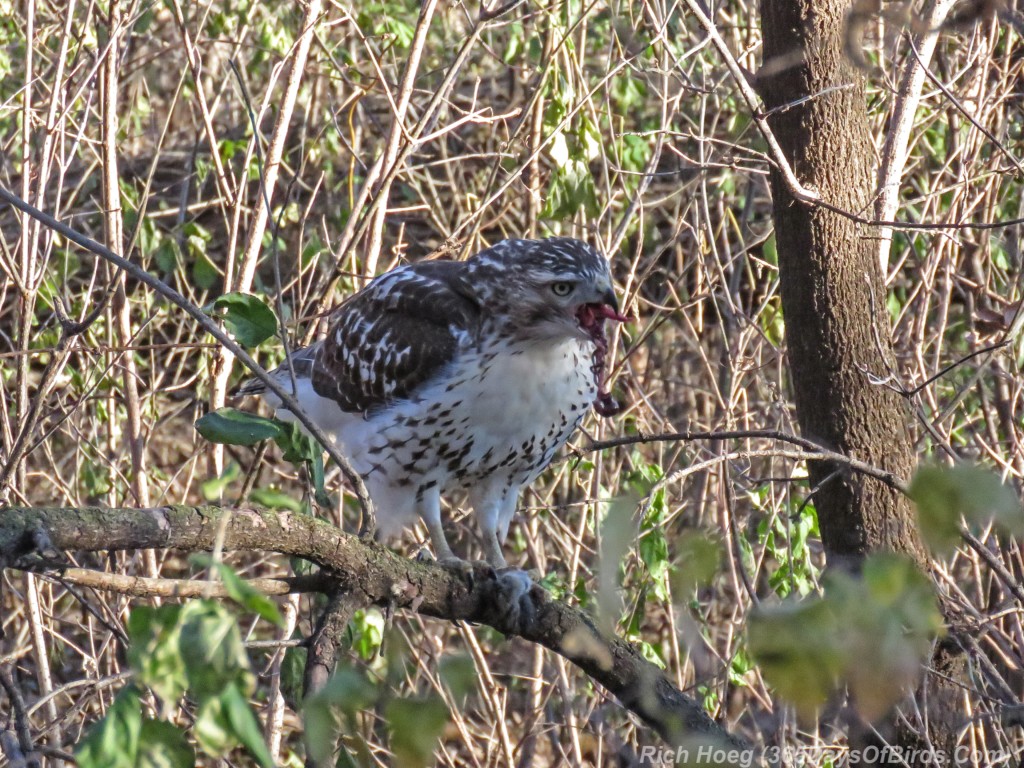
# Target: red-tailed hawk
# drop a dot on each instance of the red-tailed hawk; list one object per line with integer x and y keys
{"x": 448, "y": 376}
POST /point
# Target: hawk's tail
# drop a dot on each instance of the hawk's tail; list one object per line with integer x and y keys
{"x": 249, "y": 387}
{"x": 302, "y": 361}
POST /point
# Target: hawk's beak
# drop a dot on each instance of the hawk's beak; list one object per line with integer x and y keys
{"x": 610, "y": 306}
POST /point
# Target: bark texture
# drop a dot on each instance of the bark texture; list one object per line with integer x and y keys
{"x": 833, "y": 298}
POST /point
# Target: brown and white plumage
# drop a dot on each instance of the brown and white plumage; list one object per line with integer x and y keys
{"x": 441, "y": 377}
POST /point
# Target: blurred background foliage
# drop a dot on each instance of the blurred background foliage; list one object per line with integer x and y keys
{"x": 612, "y": 121}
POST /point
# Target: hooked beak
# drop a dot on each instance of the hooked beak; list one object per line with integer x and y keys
{"x": 610, "y": 307}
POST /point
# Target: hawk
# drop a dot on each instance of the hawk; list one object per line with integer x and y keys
{"x": 461, "y": 376}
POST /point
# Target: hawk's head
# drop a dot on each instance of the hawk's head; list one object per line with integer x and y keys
{"x": 547, "y": 289}
{"x": 557, "y": 288}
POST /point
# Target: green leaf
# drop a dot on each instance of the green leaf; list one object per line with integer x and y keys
{"x": 459, "y": 673}
{"x": 892, "y": 622}
{"x": 229, "y": 426}
{"x": 347, "y": 760}
{"x": 617, "y": 534}
{"x": 348, "y": 692}
{"x": 570, "y": 188}
{"x": 295, "y": 444}
{"x": 247, "y": 318}
{"x": 651, "y": 653}
{"x": 320, "y": 728}
{"x": 163, "y": 745}
{"x": 226, "y": 721}
{"x": 298, "y": 447}
{"x": 95, "y": 479}
{"x": 293, "y": 669}
{"x": 415, "y": 726}
{"x": 166, "y": 256}
{"x": 698, "y": 556}
{"x": 770, "y": 250}
{"x": 113, "y": 742}
{"x": 367, "y": 628}
{"x": 212, "y": 649}
{"x": 204, "y": 271}
{"x": 872, "y": 633}
{"x": 244, "y": 725}
{"x": 247, "y": 596}
{"x": 275, "y": 499}
{"x": 798, "y": 646}
{"x": 944, "y": 494}
{"x": 213, "y": 489}
{"x": 212, "y": 728}
{"x": 653, "y": 550}
{"x": 319, "y": 477}
{"x": 154, "y": 650}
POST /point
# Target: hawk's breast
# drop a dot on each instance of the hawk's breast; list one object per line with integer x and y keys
{"x": 498, "y": 412}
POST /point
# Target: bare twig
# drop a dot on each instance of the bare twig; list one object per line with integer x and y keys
{"x": 901, "y": 122}
{"x": 397, "y": 134}
{"x": 814, "y": 452}
{"x": 21, "y": 724}
{"x": 798, "y": 190}
{"x": 240, "y": 278}
{"x": 113, "y": 225}
{"x": 141, "y": 586}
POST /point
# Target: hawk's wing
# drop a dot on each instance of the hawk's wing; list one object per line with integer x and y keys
{"x": 396, "y": 334}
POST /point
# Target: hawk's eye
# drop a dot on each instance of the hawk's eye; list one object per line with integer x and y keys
{"x": 561, "y": 289}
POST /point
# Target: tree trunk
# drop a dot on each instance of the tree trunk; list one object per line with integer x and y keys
{"x": 833, "y": 299}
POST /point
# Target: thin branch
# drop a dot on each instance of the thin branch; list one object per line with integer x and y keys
{"x": 24, "y": 744}
{"x": 139, "y": 586}
{"x": 59, "y": 355}
{"x": 196, "y": 68}
{"x": 390, "y": 156}
{"x": 901, "y": 122}
{"x": 798, "y": 190}
{"x": 1009, "y": 581}
{"x": 813, "y": 451}
{"x": 966, "y": 112}
{"x": 357, "y": 227}
{"x": 954, "y": 365}
{"x": 269, "y": 171}
{"x": 275, "y": 151}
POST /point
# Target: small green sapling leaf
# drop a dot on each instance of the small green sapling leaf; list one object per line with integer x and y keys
{"x": 230, "y": 426}
{"x": 246, "y": 317}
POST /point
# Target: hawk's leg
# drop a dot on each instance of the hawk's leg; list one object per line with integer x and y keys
{"x": 492, "y": 547}
{"x": 494, "y": 506}
{"x": 430, "y": 511}
{"x": 494, "y": 510}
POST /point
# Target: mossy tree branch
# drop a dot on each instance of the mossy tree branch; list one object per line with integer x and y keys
{"x": 372, "y": 574}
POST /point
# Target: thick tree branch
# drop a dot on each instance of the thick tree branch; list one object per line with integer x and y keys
{"x": 322, "y": 655}
{"x": 371, "y": 574}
